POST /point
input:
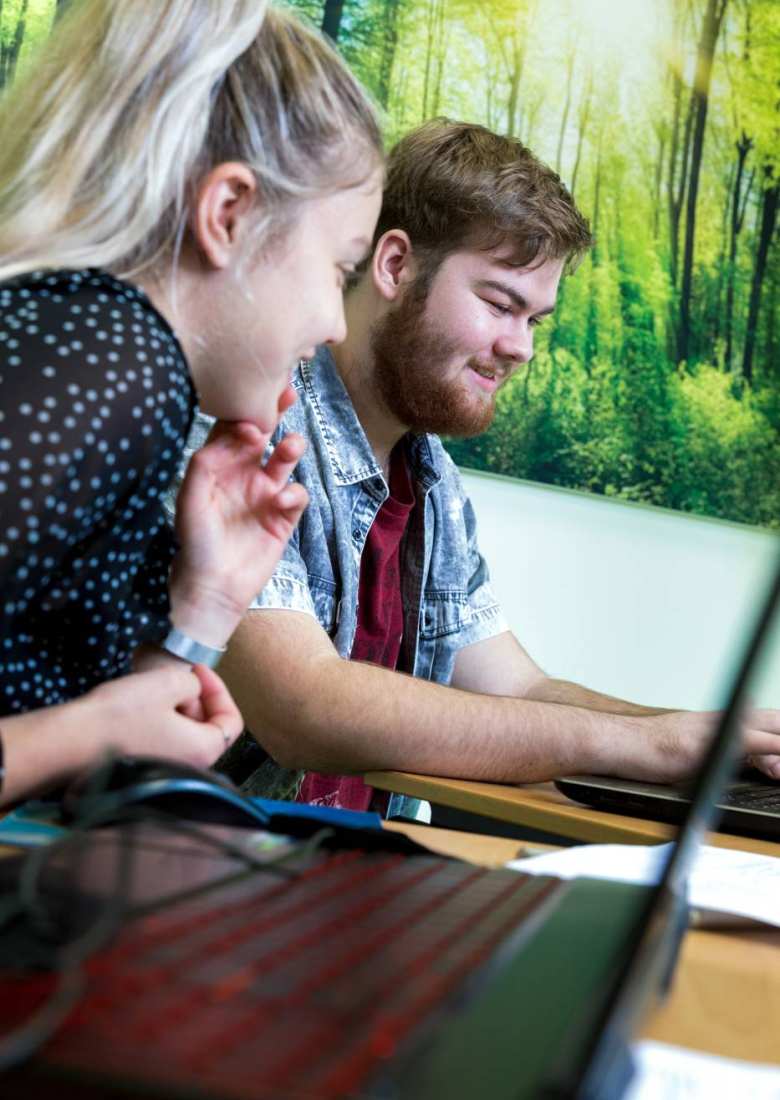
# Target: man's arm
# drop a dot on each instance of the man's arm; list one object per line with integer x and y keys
{"x": 312, "y": 709}
{"x": 500, "y": 666}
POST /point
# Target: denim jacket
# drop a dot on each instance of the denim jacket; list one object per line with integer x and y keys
{"x": 447, "y": 598}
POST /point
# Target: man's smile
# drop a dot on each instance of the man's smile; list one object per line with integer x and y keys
{"x": 487, "y": 378}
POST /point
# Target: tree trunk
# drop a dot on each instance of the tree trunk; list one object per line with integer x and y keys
{"x": 674, "y": 146}
{"x": 15, "y": 49}
{"x": 518, "y": 59}
{"x": 597, "y": 253}
{"x": 430, "y": 21}
{"x": 770, "y": 357}
{"x": 389, "y": 45}
{"x": 566, "y": 108}
{"x": 441, "y": 54}
{"x": 582, "y": 126}
{"x": 2, "y": 48}
{"x": 700, "y": 98}
{"x": 531, "y": 117}
{"x": 715, "y": 306}
{"x": 679, "y": 151}
{"x": 768, "y": 218}
{"x": 680, "y": 195}
{"x": 331, "y": 18}
{"x": 514, "y": 110}
{"x": 735, "y": 226}
{"x": 659, "y": 173}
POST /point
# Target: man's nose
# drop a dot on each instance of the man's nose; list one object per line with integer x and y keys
{"x": 516, "y": 346}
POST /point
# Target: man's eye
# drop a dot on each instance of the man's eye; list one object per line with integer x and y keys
{"x": 498, "y": 307}
{"x": 534, "y": 322}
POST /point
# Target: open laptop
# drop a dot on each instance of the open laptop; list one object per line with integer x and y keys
{"x": 749, "y": 804}
{"x": 342, "y": 965}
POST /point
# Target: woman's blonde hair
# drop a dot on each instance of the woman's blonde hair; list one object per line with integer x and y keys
{"x": 131, "y": 102}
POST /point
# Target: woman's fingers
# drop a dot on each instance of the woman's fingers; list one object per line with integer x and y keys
{"x": 172, "y": 684}
{"x": 218, "y": 706}
{"x": 285, "y": 457}
{"x": 240, "y": 442}
{"x": 230, "y": 442}
{"x": 287, "y": 398}
{"x": 292, "y": 501}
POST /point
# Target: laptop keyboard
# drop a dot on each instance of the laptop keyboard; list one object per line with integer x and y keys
{"x": 302, "y": 987}
{"x": 753, "y": 796}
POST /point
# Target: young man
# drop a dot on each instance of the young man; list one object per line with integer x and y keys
{"x": 473, "y": 238}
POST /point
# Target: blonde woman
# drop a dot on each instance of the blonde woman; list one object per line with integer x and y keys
{"x": 185, "y": 186}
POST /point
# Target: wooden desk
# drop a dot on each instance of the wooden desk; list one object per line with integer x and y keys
{"x": 726, "y": 994}
{"x": 541, "y": 806}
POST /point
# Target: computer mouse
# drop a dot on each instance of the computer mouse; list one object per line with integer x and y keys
{"x": 114, "y": 788}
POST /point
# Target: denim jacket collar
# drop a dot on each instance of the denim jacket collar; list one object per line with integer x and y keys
{"x": 351, "y": 456}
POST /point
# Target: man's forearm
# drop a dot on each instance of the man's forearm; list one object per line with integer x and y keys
{"x": 548, "y": 690}
{"x": 311, "y": 709}
{"x": 366, "y": 718}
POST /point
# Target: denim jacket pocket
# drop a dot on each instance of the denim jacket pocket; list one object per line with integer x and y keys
{"x": 443, "y": 613}
{"x": 325, "y": 597}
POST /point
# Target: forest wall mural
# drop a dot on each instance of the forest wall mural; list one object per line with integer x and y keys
{"x": 658, "y": 379}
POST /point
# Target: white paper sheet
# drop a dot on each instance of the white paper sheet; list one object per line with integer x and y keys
{"x": 671, "y": 1073}
{"x": 722, "y": 881}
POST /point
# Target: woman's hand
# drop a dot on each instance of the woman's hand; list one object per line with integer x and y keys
{"x": 140, "y": 714}
{"x": 234, "y": 517}
{"x": 149, "y": 714}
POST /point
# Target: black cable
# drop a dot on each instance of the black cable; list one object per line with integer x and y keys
{"x": 20, "y": 1044}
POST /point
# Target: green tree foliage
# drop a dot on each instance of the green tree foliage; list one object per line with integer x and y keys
{"x": 24, "y": 24}
{"x": 657, "y": 379}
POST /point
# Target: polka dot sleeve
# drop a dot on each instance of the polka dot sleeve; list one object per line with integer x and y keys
{"x": 95, "y": 403}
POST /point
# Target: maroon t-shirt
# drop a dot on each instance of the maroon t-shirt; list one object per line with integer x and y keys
{"x": 380, "y": 624}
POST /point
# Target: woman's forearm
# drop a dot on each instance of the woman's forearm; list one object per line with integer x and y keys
{"x": 45, "y": 748}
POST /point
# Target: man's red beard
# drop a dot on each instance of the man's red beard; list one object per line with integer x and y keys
{"x": 410, "y": 359}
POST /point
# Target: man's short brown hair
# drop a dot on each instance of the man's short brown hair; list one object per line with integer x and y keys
{"x": 452, "y": 185}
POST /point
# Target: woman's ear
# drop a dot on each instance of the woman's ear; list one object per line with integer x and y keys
{"x": 223, "y": 202}
{"x": 393, "y": 266}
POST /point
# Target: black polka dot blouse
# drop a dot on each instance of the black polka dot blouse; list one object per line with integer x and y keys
{"x": 95, "y": 406}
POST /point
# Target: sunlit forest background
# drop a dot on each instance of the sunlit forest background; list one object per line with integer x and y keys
{"x": 658, "y": 378}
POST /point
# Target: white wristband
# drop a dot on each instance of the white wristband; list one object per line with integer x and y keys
{"x": 196, "y": 653}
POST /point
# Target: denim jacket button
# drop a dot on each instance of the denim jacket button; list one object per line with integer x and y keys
{"x": 356, "y": 534}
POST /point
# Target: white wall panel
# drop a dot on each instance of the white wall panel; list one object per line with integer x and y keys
{"x": 639, "y": 602}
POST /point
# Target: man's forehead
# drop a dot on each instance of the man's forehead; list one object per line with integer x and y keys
{"x": 503, "y": 261}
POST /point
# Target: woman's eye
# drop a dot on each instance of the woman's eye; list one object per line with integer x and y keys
{"x": 345, "y": 271}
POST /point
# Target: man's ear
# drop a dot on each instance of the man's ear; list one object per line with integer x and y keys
{"x": 223, "y": 202}
{"x": 393, "y": 265}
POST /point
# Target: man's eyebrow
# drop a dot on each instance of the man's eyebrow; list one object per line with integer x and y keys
{"x": 514, "y": 296}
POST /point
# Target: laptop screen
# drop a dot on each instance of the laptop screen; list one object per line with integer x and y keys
{"x": 652, "y": 945}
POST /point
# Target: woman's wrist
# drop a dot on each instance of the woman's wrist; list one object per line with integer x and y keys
{"x": 203, "y": 614}
{"x": 192, "y": 652}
